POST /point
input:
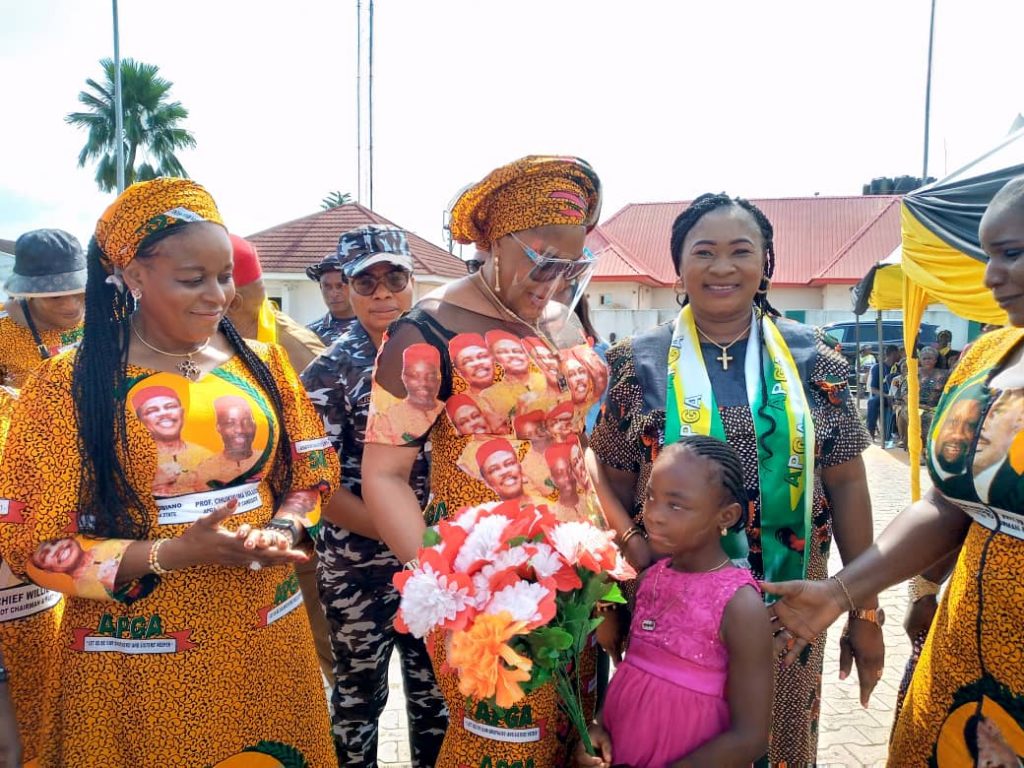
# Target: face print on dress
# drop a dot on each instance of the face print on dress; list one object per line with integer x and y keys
{"x": 473, "y": 360}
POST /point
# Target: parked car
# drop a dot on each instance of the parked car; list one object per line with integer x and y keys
{"x": 845, "y": 335}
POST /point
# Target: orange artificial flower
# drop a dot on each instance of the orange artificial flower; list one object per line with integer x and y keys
{"x": 486, "y": 664}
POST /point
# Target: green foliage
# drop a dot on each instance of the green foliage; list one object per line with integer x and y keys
{"x": 152, "y": 125}
{"x": 431, "y": 537}
{"x": 335, "y": 199}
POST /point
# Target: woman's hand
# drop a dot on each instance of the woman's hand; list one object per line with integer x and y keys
{"x": 207, "y": 542}
{"x": 862, "y": 642}
{"x": 805, "y": 610}
{"x": 602, "y": 744}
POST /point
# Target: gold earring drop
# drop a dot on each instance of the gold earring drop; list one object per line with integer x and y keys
{"x": 497, "y": 274}
{"x": 723, "y": 531}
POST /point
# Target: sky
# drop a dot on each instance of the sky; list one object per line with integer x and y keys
{"x": 665, "y": 99}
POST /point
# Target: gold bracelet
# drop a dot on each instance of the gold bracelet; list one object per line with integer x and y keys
{"x": 632, "y": 531}
{"x": 412, "y": 565}
{"x": 919, "y": 587}
{"x": 153, "y": 558}
{"x": 837, "y": 580}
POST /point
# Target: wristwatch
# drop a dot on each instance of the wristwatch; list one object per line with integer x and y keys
{"x": 874, "y": 615}
{"x": 285, "y": 525}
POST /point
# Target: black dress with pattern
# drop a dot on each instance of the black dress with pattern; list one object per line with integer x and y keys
{"x": 631, "y": 432}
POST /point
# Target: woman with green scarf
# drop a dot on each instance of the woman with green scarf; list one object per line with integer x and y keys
{"x": 730, "y": 367}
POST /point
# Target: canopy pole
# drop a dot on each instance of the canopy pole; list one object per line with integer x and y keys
{"x": 881, "y": 378}
{"x": 856, "y": 361}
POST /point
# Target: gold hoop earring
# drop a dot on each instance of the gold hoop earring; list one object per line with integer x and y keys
{"x": 762, "y": 289}
{"x": 136, "y": 293}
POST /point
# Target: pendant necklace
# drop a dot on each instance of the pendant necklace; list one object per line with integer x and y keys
{"x": 498, "y": 304}
{"x": 187, "y": 367}
{"x": 725, "y": 358}
{"x": 649, "y": 625}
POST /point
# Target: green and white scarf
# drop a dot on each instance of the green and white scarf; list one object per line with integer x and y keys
{"x": 785, "y": 442}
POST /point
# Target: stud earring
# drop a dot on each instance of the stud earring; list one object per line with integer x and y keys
{"x": 722, "y": 531}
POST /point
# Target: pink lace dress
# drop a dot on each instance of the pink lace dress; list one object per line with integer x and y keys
{"x": 667, "y": 697}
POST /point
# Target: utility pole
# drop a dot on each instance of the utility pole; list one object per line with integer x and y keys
{"x": 359, "y": 100}
{"x": 118, "y": 108}
{"x": 370, "y": 103}
{"x": 928, "y": 92}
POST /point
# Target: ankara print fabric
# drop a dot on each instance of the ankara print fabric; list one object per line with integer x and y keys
{"x": 29, "y": 622}
{"x": 972, "y": 653}
{"x": 503, "y": 410}
{"x": 177, "y": 651}
{"x": 19, "y": 353}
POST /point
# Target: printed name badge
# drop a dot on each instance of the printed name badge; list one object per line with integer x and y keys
{"x": 992, "y": 517}
{"x": 25, "y": 600}
{"x": 187, "y": 509}
{"x": 270, "y": 614}
{"x": 497, "y": 733}
{"x": 10, "y": 511}
{"x": 308, "y": 446}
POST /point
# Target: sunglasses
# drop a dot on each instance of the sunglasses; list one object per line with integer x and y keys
{"x": 547, "y": 267}
{"x": 366, "y": 285}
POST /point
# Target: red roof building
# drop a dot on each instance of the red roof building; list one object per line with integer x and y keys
{"x": 818, "y": 240}
{"x": 295, "y": 245}
{"x": 287, "y": 249}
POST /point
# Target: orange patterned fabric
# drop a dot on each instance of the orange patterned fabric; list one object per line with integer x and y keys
{"x": 147, "y": 207}
{"x": 29, "y": 620}
{"x": 19, "y": 355}
{"x": 197, "y": 666}
{"x": 534, "y": 191}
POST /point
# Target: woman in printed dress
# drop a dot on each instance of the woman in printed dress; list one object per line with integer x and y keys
{"x": 180, "y": 643}
{"x": 730, "y": 367}
{"x": 531, "y": 217}
{"x": 965, "y": 705}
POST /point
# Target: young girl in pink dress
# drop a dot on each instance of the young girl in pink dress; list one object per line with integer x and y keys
{"x": 695, "y": 687}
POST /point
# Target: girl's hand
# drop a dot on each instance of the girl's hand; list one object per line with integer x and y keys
{"x": 602, "y": 743}
{"x": 862, "y": 642}
{"x": 805, "y": 610}
{"x": 611, "y": 634}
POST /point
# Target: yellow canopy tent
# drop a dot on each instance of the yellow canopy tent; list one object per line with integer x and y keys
{"x": 942, "y": 260}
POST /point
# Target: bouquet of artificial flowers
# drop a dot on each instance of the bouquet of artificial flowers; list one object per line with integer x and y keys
{"x": 515, "y": 590}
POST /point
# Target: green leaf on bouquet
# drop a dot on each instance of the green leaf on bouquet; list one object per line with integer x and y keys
{"x": 614, "y": 594}
{"x": 431, "y": 537}
{"x": 594, "y": 587}
{"x": 517, "y": 541}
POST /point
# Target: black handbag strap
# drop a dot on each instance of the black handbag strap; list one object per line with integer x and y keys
{"x": 44, "y": 351}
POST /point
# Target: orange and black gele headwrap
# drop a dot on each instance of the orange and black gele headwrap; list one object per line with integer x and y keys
{"x": 148, "y": 207}
{"x": 534, "y": 191}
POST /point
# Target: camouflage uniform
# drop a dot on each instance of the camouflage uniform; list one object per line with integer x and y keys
{"x": 330, "y": 328}
{"x": 354, "y": 578}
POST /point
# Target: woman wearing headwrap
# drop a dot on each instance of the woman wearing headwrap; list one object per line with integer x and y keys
{"x": 180, "y": 641}
{"x": 531, "y": 218}
{"x": 44, "y": 317}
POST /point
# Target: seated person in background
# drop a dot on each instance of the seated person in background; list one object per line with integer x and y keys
{"x": 945, "y": 348}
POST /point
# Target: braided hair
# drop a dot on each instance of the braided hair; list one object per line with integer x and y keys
{"x": 730, "y": 469}
{"x": 681, "y": 227}
{"x": 706, "y": 203}
{"x": 110, "y": 505}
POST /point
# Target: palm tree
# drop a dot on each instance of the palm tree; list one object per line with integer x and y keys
{"x": 335, "y": 199}
{"x": 152, "y": 125}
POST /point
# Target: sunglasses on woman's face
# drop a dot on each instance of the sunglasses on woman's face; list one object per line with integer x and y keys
{"x": 366, "y": 284}
{"x": 547, "y": 266}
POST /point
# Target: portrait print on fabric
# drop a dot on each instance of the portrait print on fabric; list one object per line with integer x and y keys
{"x": 208, "y": 434}
{"x": 999, "y": 456}
{"x": 956, "y": 430}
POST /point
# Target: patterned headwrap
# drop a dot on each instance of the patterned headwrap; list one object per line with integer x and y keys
{"x": 535, "y": 191}
{"x": 147, "y": 207}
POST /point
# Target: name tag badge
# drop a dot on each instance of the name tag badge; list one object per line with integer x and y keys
{"x": 25, "y": 600}
{"x": 992, "y": 517}
{"x": 187, "y": 509}
{"x": 308, "y": 446}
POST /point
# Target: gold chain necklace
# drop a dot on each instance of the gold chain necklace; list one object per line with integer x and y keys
{"x": 187, "y": 367}
{"x": 499, "y": 305}
{"x": 725, "y": 358}
{"x": 649, "y": 625}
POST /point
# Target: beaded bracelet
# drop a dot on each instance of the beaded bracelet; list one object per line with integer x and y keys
{"x": 154, "y": 562}
{"x": 412, "y": 565}
{"x": 919, "y": 587}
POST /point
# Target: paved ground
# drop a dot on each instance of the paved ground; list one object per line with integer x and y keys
{"x": 851, "y": 736}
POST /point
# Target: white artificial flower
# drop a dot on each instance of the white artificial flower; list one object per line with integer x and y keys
{"x": 521, "y": 600}
{"x": 482, "y": 542}
{"x": 430, "y": 598}
{"x": 575, "y": 539}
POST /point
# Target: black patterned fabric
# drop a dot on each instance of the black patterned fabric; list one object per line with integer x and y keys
{"x": 631, "y": 430}
{"x": 330, "y": 328}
